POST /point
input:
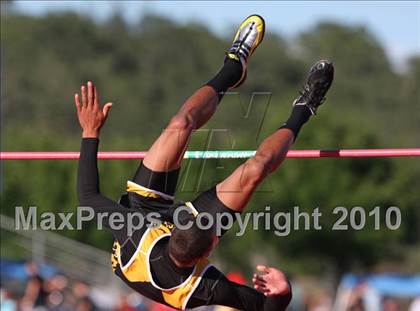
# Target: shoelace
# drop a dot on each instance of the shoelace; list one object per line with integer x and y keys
{"x": 241, "y": 44}
{"x": 306, "y": 94}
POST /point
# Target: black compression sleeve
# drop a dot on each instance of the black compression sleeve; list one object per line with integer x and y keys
{"x": 242, "y": 297}
{"x": 279, "y": 302}
{"x": 87, "y": 175}
{"x": 88, "y": 185}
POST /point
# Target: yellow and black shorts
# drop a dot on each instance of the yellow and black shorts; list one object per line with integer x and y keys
{"x": 151, "y": 191}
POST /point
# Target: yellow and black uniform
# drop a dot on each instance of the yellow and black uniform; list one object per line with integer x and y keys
{"x": 140, "y": 272}
{"x": 141, "y": 259}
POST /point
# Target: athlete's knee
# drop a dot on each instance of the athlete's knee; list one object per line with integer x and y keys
{"x": 256, "y": 169}
{"x": 183, "y": 121}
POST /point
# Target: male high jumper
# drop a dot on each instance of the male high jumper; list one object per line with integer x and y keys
{"x": 166, "y": 263}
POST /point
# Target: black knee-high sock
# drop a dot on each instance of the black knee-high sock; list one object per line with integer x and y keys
{"x": 230, "y": 73}
{"x": 299, "y": 116}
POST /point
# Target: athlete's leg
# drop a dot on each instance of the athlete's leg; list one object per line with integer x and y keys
{"x": 232, "y": 195}
{"x": 163, "y": 160}
{"x": 159, "y": 169}
{"x": 167, "y": 151}
{"x": 237, "y": 189}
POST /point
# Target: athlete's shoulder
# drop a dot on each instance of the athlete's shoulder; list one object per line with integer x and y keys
{"x": 209, "y": 280}
{"x": 213, "y": 273}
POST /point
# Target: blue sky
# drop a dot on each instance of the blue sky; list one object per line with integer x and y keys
{"x": 395, "y": 23}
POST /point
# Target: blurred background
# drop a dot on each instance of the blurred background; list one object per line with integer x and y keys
{"x": 147, "y": 57}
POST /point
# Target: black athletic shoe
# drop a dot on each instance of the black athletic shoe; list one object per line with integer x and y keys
{"x": 318, "y": 82}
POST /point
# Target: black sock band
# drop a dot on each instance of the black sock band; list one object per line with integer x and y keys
{"x": 299, "y": 116}
{"x": 230, "y": 74}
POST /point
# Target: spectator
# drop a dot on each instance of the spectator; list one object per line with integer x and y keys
{"x": 84, "y": 304}
{"x": 35, "y": 293}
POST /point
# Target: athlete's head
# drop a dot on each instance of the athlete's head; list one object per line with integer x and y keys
{"x": 187, "y": 246}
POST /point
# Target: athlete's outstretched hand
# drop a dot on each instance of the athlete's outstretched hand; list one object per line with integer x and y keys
{"x": 91, "y": 116}
{"x": 271, "y": 281}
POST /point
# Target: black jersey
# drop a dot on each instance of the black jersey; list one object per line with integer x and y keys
{"x": 141, "y": 259}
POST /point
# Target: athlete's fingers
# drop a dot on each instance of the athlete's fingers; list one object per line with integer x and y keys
{"x": 77, "y": 102}
{"x": 106, "y": 109}
{"x": 84, "y": 96}
{"x": 268, "y": 293}
{"x": 259, "y": 278}
{"x": 260, "y": 284}
{"x": 90, "y": 94}
{"x": 96, "y": 99}
{"x": 263, "y": 269}
{"x": 259, "y": 288}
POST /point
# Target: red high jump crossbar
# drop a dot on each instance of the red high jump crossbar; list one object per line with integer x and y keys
{"x": 131, "y": 155}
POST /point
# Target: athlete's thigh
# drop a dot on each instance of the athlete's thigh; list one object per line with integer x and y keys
{"x": 167, "y": 151}
{"x": 237, "y": 189}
